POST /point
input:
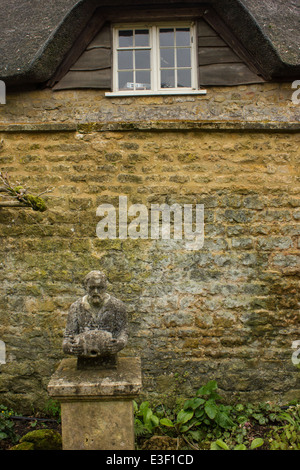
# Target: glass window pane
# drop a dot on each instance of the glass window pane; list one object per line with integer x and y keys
{"x": 143, "y": 81}
{"x": 167, "y": 78}
{"x": 125, "y": 60}
{"x": 142, "y": 59}
{"x": 141, "y": 37}
{"x": 184, "y": 78}
{"x": 126, "y": 38}
{"x": 166, "y": 37}
{"x": 183, "y": 37}
{"x": 167, "y": 57}
{"x": 184, "y": 57}
{"x": 126, "y": 81}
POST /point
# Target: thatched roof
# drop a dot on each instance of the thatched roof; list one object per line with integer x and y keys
{"x": 36, "y": 34}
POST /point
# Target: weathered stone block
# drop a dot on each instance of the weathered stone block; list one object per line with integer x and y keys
{"x": 96, "y": 405}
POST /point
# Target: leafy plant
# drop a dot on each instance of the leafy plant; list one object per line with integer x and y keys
{"x": 201, "y": 410}
{"x": 287, "y": 436}
{"x": 200, "y": 417}
{"x": 53, "y": 409}
{"x": 204, "y": 422}
{"x": 6, "y": 424}
{"x": 221, "y": 445}
{"x": 145, "y": 420}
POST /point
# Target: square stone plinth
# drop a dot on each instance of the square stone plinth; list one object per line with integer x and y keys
{"x": 97, "y": 405}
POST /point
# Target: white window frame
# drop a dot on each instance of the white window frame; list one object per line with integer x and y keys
{"x": 155, "y": 61}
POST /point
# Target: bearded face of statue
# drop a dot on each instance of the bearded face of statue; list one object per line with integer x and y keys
{"x": 96, "y": 288}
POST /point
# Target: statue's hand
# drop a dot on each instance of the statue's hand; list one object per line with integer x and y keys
{"x": 76, "y": 349}
{"x": 73, "y": 345}
{"x": 113, "y": 347}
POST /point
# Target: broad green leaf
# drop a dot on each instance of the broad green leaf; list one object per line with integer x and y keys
{"x": 256, "y": 443}
{"x": 188, "y": 404}
{"x": 184, "y": 428}
{"x": 147, "y": 415}
{"x": 211, "y": 409}
{"x": 3, "y": 435}
{"x": 241, "y": 419}
{"x": 184, "y": 416}
{"x": 135, "y": 406}
{"x": 193, "y": 403}
{"x": 148, "y": 426}
{"x": 196, "y": 435}
{"x": 144, "y": 405}
{"x": 223, "y": 420}
{"x": 208, "y": 388}
{"x": 166, "y": 422}
{"x": 214, "y": 446}
{"x": 198, "y": 402}
{"x": 240, "y": 447}
{"x": 155, "y": 420}
{"x": 239, "y": 407}
{"x": 199, "y": 413}
{"x": 222, "y": 444}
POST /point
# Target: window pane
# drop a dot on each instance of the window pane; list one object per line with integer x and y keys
{"x": 184, "y": 57}
{"x": 182, "y": 37}
{"x": 167, "y": 78}
{"x": 125, "y": 60}
{"x": 126, "y": 38}
{"x": 143, "y": 81}
{"x": 134, "y": 58}
{"x": 166, "y": 37}
{"x": 167, "y": 58}
{"x": 141, "y": 37}
{"x": 126, "y": 81}
{"x": 184, "y": 78}
{"x": 142, "y": 59}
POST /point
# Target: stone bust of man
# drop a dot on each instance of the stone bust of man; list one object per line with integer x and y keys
{"x": 96, "y": 327}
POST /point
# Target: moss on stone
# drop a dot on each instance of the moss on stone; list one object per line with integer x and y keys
{"x": 23, "y": 446}
{"x": 43, "y": 439}
{"x": 35, "y": 202}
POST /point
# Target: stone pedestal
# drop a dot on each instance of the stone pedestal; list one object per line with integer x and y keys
{"x": 97, "y": 405}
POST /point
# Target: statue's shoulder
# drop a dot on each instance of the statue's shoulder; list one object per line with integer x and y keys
{"x": 115, "y": 303}
{"x": 77, "y": 305}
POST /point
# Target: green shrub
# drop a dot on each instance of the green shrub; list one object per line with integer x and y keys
{"x": 286, "y": 436}
{"x": 204, "y": 422}
{"x": 6, "y": 424}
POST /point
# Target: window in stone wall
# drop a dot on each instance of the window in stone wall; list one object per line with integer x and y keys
{"x": 154, "y": 59}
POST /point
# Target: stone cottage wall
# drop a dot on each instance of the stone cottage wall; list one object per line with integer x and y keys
{"x": 228, "y": 311}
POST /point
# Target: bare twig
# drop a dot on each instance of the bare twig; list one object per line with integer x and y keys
{"x": 19, "y": 194}
{"x": 189, "y": 443}
{"x": 12, "y": 204}
{"x": 46, "y": 191}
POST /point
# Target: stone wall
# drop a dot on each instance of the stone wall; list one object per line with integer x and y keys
{"x": 229, "y": 311}
{"x": 260, "y": 102}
